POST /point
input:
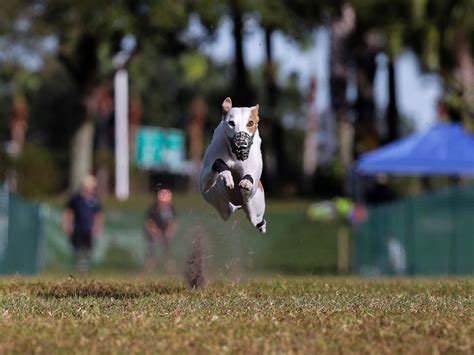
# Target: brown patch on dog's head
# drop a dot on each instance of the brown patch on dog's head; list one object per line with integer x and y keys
{"x": 252, "y": 123}
{"x": 226, "y": 105}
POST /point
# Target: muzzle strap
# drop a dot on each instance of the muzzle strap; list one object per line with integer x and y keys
{"x": 219, "y": 166}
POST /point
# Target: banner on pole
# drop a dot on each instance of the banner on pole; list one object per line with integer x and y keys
{"x": 160, "y": 149}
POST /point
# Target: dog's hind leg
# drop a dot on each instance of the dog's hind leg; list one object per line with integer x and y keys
{"x": 255, "y": 209}
{"x": 207, "y": 180}
{"x": 217, "y": 198}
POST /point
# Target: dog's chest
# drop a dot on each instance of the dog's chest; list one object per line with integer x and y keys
{"x": 238, "y": 168}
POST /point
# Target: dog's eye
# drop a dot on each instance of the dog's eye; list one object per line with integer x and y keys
{"x": 232, "y": 123}
{"x": 250, "y": 124}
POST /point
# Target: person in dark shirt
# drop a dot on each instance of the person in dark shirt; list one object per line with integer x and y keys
{"x": 82, "y": 222}
{"x": 381, "y": 192}
{"x": 160, "y": 227}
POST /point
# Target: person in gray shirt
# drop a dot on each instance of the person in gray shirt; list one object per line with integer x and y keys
{"x": 160, "y": 227}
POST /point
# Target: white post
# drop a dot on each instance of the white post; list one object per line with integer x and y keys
{"x": 121, "y": 135}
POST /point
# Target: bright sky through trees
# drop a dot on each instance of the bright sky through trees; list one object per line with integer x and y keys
{"x": 417, "y": 92}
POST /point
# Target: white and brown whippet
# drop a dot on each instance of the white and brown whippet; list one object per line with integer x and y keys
{"x": 232, "y": 166}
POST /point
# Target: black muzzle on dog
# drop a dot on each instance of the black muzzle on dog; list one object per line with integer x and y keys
{"x": 240, "y": 144}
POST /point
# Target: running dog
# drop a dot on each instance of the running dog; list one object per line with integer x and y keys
{"x": 232, "y": 166}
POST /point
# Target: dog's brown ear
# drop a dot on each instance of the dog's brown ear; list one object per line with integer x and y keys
{"x": 227, "y": 105}
{"x": 254, "y": 113}
{"x": 253, "y": 119}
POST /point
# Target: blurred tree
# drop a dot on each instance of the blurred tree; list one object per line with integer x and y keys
{"x": 440, "y": 33}
{"x": 342, "y": 28}
{"x": 367, "y": 47}
{"x": 242, "y": 92}
{"x": 72, "y": 46}
{"x": 443, "y": 38}
{"x": 379, "y": 30}
{"x": 296, "y": 20}
{"x": 310, "y": 147}
{"x": 88, "y": 35}
{"x": 391, "y": 20}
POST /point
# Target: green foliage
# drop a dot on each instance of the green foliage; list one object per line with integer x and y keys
{"x": 167, "y": 85}
{"x": 5, "y": 103}
{"x": 5, "y": 164}
{"x": 194, "y": 67}
{"x": 329, "y": 180}
{"x": 297, "y": 19}
{"x": 167, "y": 69}
{"x": 55, "y": 107}
{"x": 294, "y": 147}
{"x": 36, "y": 170}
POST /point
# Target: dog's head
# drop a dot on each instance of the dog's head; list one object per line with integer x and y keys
{"x": 240, "y": 125}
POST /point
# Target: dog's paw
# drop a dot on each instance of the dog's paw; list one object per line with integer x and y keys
{"x": 262, "y": 226}
{"x": 245, "y": 184}
{"x": 228, "y": 179}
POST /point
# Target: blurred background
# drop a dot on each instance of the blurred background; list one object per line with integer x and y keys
{"x": 131, "y": 91}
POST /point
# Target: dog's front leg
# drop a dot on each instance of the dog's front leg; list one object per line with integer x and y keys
{"x": 246, "y": 186}
{"x": 219, "y": 168}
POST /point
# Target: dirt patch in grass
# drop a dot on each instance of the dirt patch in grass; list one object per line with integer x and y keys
{"x": 116, "y": 290}
{"x": 194, "y": 272}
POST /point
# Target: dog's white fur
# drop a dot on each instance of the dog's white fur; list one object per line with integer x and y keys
{"x": 228, "y": 190}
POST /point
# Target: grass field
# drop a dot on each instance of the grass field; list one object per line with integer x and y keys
{"x": 267, "y": 315}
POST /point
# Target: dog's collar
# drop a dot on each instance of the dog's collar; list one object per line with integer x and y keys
{"x": 242, "y": 153}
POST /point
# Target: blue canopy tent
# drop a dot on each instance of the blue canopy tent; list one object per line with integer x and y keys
{"x": 433, "y": 231}
{"x": 445, "y": 149}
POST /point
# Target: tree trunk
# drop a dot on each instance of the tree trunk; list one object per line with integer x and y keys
{"x": 271, "y": 89}
{"x": 310, "y": 152}
{"x": 195, "y": 131}
{"x": 81, "y": 153}
{"x": 365, "y": 128}
{"x": 241, "y": 95}
{"x": 341, "y": 31}
{"x": 82, "y": 66}
{"x": 464, "y": 71}
{"x": 393, "y": 124}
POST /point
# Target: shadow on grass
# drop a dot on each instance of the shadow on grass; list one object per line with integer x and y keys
{"x": 96, "y": 289}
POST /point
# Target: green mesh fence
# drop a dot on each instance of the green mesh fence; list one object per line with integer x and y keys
{"x": 31, "y": 240}
{"x": 4, "y": 202}
{"x": 20, "y": 236}
{"x": 431, "y": 234}
{"x": 228, "y": 247}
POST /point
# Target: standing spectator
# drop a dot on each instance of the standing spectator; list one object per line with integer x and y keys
{"x": 160, "y": 227}
{"x": 82, "y": 221}
{"x": 381, "y": 192}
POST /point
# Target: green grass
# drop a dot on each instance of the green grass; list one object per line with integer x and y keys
{"x": 269, "y": 315}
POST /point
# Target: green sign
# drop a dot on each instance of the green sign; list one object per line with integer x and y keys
{"x": 160, "y": 149}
